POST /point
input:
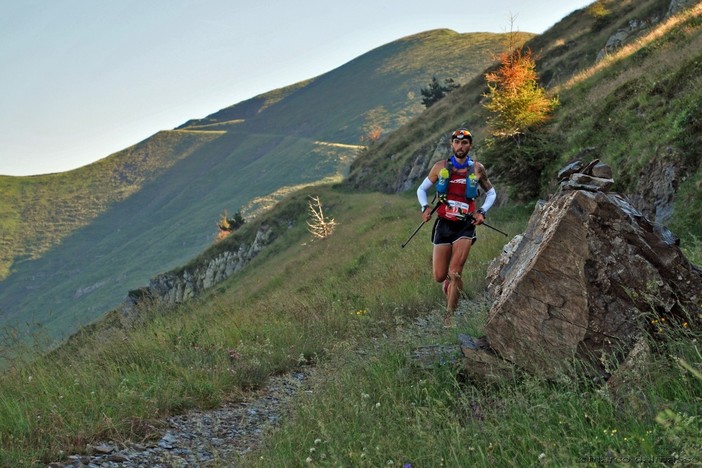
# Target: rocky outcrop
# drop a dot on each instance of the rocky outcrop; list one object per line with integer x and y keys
{"x": 586, "y": 280}
{"x": 414, "y": 173}
{"x": 636, "y": 27}
{"x": 624, "y": 35}
{"x": 179, "y": 286}
{"x": 657, "y": 184}
{"x": 677, "y": 6}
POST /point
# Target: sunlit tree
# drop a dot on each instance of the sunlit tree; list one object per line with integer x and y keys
{"x": 515, "y": 98}
{"x": 521, "y": 146}
{"x": 227, "y": 224}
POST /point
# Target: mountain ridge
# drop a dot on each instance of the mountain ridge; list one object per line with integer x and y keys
{"x": 235, "y": 155}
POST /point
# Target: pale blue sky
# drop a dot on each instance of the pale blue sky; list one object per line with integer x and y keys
{"x": 82, "y": 79}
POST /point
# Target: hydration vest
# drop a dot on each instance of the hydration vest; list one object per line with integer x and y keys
{"x": 457, "y": 192}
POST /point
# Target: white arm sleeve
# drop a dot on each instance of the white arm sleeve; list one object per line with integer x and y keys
{"x": 422, "y": 191}
{"x": 489, "y": 199}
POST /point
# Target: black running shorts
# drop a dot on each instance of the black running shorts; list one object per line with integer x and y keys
{"x": 447, "y": 232}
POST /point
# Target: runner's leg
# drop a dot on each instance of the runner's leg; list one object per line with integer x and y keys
{"x": 459, "y": 255}
{"x": 440, "y": 261}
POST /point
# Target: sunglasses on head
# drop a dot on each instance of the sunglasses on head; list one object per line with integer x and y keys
{"x": 461, "y": 134}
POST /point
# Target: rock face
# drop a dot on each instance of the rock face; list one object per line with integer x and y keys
{"x": 624, "y": 35}
{"x": 656, "y": 187}
{"x": 636, "y": 27}
{"x": 414, "y": 173}
{"x": 177, "y": 287}
{"x": 586, "y": 279}
{"x": 678, "y": 5}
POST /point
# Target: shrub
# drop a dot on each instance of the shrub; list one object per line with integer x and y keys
{"x": 514, "y": 97}
{"x": 435, "y": 91}
{"x": 521, "y": 160}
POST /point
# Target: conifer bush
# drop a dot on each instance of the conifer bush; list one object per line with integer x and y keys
{"x": 515, "y": 98}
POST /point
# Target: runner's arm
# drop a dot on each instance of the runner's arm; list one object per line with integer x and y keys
{"x": 489, "y": 199}
{"x": 427, "y": 183}
{"x": 490, "y": 193}
{"x": 422, "y": 192}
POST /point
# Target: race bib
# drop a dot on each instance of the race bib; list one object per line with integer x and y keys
{"x": 457, "y": 210}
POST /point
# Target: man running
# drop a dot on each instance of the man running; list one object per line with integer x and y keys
{"x": 454, "y": 230}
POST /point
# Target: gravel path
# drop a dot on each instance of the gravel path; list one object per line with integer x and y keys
{"x": 218, "y": 437}
{"x": 205, "y": 438}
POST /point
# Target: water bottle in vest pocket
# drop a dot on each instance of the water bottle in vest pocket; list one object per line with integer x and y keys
{"x": 443, "y": 184}
{"x": 472, "y": 186}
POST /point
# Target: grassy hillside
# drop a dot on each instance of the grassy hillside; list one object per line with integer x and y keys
{"x": 355, "y": 306}
{"x": 156, "y": 229}
{"x": 38, "y": 212}
{"x": 73, "y": 244}
{"x": 637, "y": 110}
{"x": 640, "y": 111}
{"x": 298, "y": 298}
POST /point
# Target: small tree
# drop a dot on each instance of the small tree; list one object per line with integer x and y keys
{"x": 436, "y": 91}
{"x": 319, "y": 226}
{"x": 521, "y": 145}
{"x": 372, "y": 135}
{"x": 514, "y": 96}
{"x": 375, "y": 121}
{"x": 228, "y": 225}
{"x": 598, "y": 10}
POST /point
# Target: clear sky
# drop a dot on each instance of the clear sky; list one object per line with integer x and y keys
{"x": 82, "y": 79}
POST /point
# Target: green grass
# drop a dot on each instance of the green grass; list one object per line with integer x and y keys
{"x": 380, "y": 410}
{"x": 297, "y": 305}
{"x": 346, "y": 304}
{"x": 372, "y": 412}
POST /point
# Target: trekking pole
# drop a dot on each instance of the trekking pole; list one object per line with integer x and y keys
{"x": 420, "y": 226}
{"x": 493, "y": 228}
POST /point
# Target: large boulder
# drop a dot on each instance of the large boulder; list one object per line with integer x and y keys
{"x": 586, "y": 280}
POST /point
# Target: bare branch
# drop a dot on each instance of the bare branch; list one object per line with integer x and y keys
{"x": 318, "y": 225}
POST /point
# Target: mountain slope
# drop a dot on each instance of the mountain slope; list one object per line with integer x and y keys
{"x": 97, "y": 232}
{"x": 37, "y": 212}
{"x": 635, "y": 105}
{"x": 640, "y": 110}
{"x": 334, "y": 106}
